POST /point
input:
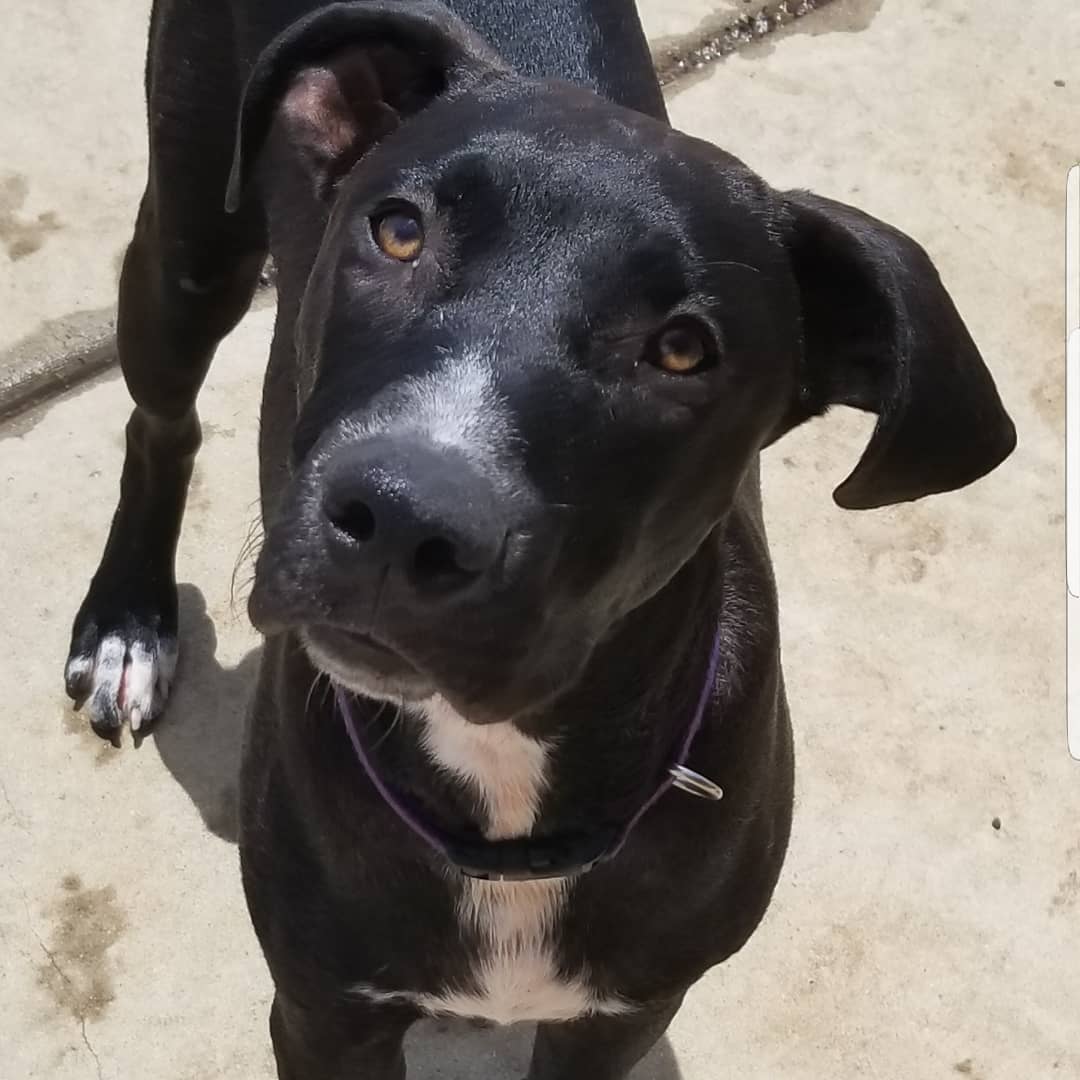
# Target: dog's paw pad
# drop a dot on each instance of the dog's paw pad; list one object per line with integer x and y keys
{"x": 122, "y": 681}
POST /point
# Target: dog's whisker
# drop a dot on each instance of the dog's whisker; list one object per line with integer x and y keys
{"x": 396, "y": 719}
{"x": 311, "y": 690}
{"x": 732, "y": 262}
{"x": 374, "y": 718}
{"x": 326, "y": 689}
{"x": 247, "y": 555}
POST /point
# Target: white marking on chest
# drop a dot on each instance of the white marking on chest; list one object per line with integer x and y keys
{"x": 515, "y": 921}
{"x": 505, "y": 768}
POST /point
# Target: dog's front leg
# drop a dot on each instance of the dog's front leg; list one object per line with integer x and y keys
{"x": 188, "y": 276}
{"x": 363, "y": 1042}
{"x": 599, "y": 1047}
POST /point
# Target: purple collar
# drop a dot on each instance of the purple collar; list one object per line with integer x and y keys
{"x": 525, "y": 858}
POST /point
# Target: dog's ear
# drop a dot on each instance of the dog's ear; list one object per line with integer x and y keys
{"x": 343, "y": 77}
{"x": 881, "y": 334}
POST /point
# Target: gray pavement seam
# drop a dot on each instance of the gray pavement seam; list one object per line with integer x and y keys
{"x": 719, "y": 36}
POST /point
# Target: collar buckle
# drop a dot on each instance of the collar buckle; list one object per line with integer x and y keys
{"x": 693, "y": 783}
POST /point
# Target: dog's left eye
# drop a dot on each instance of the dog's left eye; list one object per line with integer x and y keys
{"x": 682, "y": 349}
{"x": 399, "y": 234}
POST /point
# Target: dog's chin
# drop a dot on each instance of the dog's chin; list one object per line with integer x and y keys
{"x": 364, "y": 666}
{"x": 367, "y": 667}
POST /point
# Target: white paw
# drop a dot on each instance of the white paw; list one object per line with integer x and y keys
{"x": 124, "y": 681}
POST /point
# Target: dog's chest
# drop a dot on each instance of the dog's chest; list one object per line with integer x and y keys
{"x": 514, "y": 972}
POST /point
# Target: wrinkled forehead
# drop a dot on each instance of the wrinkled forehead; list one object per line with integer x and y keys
{"x": 541, "y": 153}
{"x": 543, "y": 198}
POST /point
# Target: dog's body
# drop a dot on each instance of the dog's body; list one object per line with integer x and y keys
{"x": 529, "y": 345}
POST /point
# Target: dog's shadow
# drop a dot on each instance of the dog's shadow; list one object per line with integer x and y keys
{"x": 199, "y": 740}
{"x": 445, "y": 1050}
{"x": 200, "y": 736}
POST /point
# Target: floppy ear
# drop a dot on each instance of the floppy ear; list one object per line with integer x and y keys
{"x": 880, "y": 333}
{"x": 343, "y": 77}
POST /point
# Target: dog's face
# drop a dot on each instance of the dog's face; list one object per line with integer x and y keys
{"x": 541, "y": 343}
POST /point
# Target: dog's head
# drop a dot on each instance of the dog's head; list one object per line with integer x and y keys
{"x": 541, "y": 342}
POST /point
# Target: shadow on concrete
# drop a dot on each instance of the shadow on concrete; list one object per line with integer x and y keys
{"x": 200, "y": 736}
{"x": 455, "y": 1050}
{"x": 200, "y": 740}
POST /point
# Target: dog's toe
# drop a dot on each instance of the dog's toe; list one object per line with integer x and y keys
{"x": 122, "y": 678}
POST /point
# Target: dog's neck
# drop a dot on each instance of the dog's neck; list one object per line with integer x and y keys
{"x": 589, "y": 761}
{"x": 596, "y": 43}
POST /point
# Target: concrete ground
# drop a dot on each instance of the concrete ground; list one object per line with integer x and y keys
{"x": 924, "y": 650}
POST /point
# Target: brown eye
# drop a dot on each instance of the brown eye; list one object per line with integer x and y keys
{"x": 681, "y": 350}
{"x": 400, "y": 235}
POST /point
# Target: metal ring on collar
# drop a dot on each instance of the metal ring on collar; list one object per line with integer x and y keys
{"x": 693, "y": 783}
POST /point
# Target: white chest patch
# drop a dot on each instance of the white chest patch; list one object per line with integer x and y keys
{"x": 515, "y": 973}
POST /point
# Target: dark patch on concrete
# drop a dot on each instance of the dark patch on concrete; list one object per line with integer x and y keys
{"x": 22, "y": 237}
{"x": 74, "y": 723}
{"x": 839, "y": 954}
{"x": 840, "y": 17}
{"x": 906, "y": 550}
{"x": 1048, "y": 399}
{"x": 211, "y": 431}
{"x": 967, "y": 1068}
{"x": 1059, "y": 82}
{"x": 688, "y": 58}
{"x": 685, "y": 56}
{"x": 844, "y": 17}
{"x": 1035, "y": 174}
{"x": 199, "y": 502}
{"x": 1044, "y": 319}
{"x": 1031, "y": 168}
{"x": 1068, "y": 892}
{"x": 86, "y": 924}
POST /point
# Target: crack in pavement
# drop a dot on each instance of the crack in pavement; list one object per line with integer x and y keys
{"x": 57, "y": 968}
{"x": 93, "y": 1052}
{"x": 20, "y": 821}
{"x": 63, "y": 975}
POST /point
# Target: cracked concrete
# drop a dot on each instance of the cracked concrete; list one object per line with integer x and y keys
{"x": 911, "y": 935}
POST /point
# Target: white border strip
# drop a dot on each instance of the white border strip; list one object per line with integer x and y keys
{"x": 1072, "y": 383}
{"x": 1072, "y": 458}
{"x": 1072, "y": 465}
{"x": 1072, "y": 542}
{"x": 1072, "y": 250}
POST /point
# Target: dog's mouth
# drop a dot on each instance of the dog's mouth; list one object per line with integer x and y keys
{"x": 365, "y": 664}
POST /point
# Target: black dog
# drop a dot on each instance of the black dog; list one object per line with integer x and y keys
{"x": 530, "y": 342}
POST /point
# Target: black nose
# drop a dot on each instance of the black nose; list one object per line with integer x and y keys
{"x": 421, "y": 510}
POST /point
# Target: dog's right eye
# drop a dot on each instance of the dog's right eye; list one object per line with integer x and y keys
{"x": 399, "y": 234}
{"x": 683, "y": 348}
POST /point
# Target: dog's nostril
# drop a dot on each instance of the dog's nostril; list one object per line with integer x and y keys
{"x": 436, "y": 560}
{"x": 354, "y": 519}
